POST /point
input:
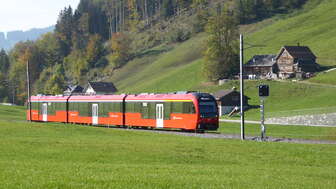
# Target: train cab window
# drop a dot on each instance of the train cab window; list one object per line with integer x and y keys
{"x": 208, "y": 108}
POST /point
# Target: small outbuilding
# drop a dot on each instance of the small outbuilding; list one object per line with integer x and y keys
{"x": 227, "y": 100}
{"x": 261, "y": 66}
{"x": 100, "y": 88}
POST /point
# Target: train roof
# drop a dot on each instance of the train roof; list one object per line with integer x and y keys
{"x": 189, "y": 96}
{"x": 107, "y": 98}
{"x": 42, "y": 98}
{"x": 97, "y": 98}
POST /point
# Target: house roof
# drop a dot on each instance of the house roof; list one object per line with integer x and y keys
{"x": 103, "y": 87}
{"x": 220, "y": 94}
{"x": 261, "y": 60}
{"x": 74, "y": 89}
{"x": 297, "y": 52}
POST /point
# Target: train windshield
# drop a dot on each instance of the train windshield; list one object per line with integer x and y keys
{"x": 208, "y": 109}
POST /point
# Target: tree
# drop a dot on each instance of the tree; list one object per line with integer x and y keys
{"x": 94, "y": 50}
{"x": 4, "y": 62}
{"x": 64, "y": 29}
{"x": 120, "y": 46}
{"x": 56, "y": 83}
{"x": 168, "y": 8}
{"x": 50, "y": 49}
{"x": 221, "y": 54}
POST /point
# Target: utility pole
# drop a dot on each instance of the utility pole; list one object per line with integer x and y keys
{"x": 28, "y": 92}
{"x": 242, "y": 127}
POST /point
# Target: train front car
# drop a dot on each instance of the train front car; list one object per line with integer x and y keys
{"x": 190, "y": 111}
{"x": 207, "y": 111}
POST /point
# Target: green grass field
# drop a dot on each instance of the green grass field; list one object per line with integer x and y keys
{"x": 37, "y": 155}
{"x": 47, "y": 155}
{"x": 40, "y": 155}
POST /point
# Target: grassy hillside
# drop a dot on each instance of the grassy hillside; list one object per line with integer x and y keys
{"x": 314, "y": 27}
{"x": 39, "y": 155}
{"x": 179, "y": 67}
{"x": 146, "y": 72}
{"x": 325, "y": 78}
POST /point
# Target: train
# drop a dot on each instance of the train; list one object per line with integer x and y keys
{"x": 190, "y": 111}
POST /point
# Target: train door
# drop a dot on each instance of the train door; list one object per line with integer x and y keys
{"x": 45, "y": 112}
{"x": 159, "y": 115}
{"x": 94, "y": 114}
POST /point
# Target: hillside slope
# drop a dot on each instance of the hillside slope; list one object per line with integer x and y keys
{"x": 180, "y": 68}
{"x": 314, "y": 27}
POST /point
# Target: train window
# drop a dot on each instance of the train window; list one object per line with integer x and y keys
{"x": 145, "y": 111}
{"x": 188, "y": 108}
{"x": 137, "y": 107}
{"x": 103, "y": 109}
{"x": 130, "y": 107}
{"x": 81, "y": 109}
{"x": 152, "y": 110}
{"x": 34, "y": 105}
{"x": 51, "y": 108}
{"x": 167, "y": 110}
{"x": 183, "y": 107}
{"x": 177, "y": 107}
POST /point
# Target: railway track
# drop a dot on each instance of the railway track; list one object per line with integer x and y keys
{"x": 218, "y": 135}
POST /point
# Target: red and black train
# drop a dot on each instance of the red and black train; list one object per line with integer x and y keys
{"x": 189, "y": 111}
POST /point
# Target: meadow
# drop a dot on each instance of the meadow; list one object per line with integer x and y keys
{"x": 52, "y": 155}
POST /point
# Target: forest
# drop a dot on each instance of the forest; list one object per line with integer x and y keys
{"x": 98, "y": 37}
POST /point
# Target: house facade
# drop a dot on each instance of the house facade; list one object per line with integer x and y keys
{"x": 295, "y": 60}
{"x": 261, "y": 66}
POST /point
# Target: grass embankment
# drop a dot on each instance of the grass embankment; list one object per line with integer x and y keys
{"x": 37, "y": 155}
{"x": 325, "y": 78}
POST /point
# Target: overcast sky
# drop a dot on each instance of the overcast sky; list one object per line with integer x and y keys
{"x": 27, "y": 14}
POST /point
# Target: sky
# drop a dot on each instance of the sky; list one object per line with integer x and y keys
{"x": 28, "y": 14}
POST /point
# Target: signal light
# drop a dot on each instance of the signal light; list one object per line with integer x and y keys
{"x": 263, "y": 90}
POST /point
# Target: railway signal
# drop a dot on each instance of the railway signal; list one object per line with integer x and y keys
{"x": 263, "y": 93}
